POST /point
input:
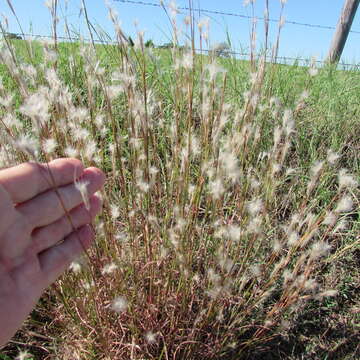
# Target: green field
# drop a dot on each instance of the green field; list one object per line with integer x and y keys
{"x": 223, "y": 220}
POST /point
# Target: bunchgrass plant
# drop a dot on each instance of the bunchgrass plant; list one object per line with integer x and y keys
{"x": 223, "y": 202}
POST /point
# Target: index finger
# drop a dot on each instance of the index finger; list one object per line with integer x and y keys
{"x": 25, "y": 181}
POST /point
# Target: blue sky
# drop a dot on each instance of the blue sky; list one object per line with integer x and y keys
{"x": 296, "y": 40}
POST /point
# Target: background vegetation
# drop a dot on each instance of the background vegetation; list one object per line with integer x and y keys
{"x": 230, "y": 226}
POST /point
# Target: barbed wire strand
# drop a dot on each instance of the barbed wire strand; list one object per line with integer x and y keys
{"x": 217, "y": 12}
{"x": 229, "y": 52}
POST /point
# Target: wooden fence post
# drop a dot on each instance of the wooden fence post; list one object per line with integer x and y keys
{"x": 342, "y": 30}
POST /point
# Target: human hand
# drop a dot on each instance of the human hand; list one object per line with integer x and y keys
{"x": 32, "y": 225}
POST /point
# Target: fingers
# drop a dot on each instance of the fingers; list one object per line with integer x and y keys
{"x": 25, "y": 181}
{"x": 15, "y": 239}
{"x": 56, "y": 260}
{"x": 47, "y": 208}
{"x": 7, "y": 211}
{"x": 50, "y": 235}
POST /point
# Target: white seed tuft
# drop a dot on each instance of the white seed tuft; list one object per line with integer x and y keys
{"x": 332, "y": 157}
{"x": 216, "y": 188}
{"x": 330, "y": 219}
{"x": 49, "y": 146}
{"x": 150, "y": 337}
{"x": 319, "y": 249}
{"x": 109, "y": 268}
{"x": 119, "y": 304}
{"x": 293, "y": 238}
{"x": 75, "y": 267}
{"x": 255, "y": 206}
{"x": 346, "y": 180}
{"x": 115, "y": 211}
{"x": 81, "y": 186}
{"x": 345, "y": 204}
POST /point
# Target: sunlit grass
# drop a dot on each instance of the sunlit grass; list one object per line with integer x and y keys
{"x": 227, "y": 198}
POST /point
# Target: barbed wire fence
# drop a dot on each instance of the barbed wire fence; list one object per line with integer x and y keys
{"x": 216, "y": 12}
{"x": 285, "y": 59}
{"x": 181, "y": 9}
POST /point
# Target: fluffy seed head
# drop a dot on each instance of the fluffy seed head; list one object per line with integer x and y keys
{"x": 75, "y": 267}
{"x": 313, "y": 71}
{"x": 293, "y": 238}
{"x": 28, "y": 145}
{"x": 23, "y": 355}
{"x": 341, "y": 225}
{"x": 277, "y": 246}
{"x": 119, "y": 304}
{"x": 328, "y": 293}
{"x": 310, "y": 285}
{"x": 255, "y": 225}
{"x": 71, "y": 152}
{"x": 109, "y": 268}
{"x": 150, "y": 337}
{"x": 346, "y": 180}
{"x": 316, "y": 168}
{"x": 203, "y": 23}
{"x": 115, "y": 211}
{"x": 36, "y": 107}
{"x": 49, "y": 146}
{"x": 282, "y": 21}
{"x": 330, "y": 219}
{"x": 288, "y": 122}
{"x": 319, "y": 249}
{"x": 213, "y": 70}
{"x": 247, "y": 2}
{"x": 82, "y": 187}
{"x": 287, "y": 276}
{"x": 234, "y": 232}
{"x": 345, "y": 204}
{"x": 332, "y": 157}
{"x": 217, "y": 188}
{"x": 255, "y": 206}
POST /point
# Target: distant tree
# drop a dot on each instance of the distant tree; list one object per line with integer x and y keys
{"x": 12, "y": 36}
{"x": 221, "y": 50}
{"x": 171, "y": 45}
{"x": 166, "y": 46}
{"x": 131, "y": 41}
{"x": 181, "y": 47}
{"x": 149, "y": 44}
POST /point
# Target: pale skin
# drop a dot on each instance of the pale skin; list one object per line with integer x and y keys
{"x": 37, "y": 240}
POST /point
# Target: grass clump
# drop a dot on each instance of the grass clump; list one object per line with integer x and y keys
{"x": 232, "y": 189}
